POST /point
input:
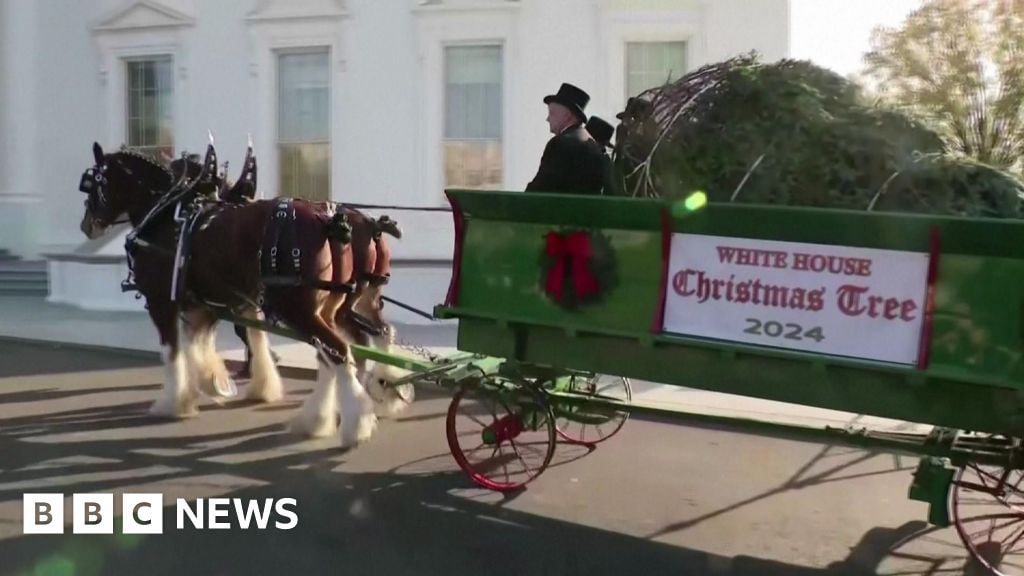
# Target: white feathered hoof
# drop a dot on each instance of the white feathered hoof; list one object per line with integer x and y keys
{"x": 266, "y": 388}
{"x": 358, "y": 420}
{"x": 393, "y": 400}
{"x": 177, "y": 397}
{"x": 220, "y": 387}
{"x": 359, "y": 427}
{"x": 318, "y": 416}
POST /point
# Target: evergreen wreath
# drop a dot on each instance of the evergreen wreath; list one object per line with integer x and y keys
{"x": 577, "y": 266}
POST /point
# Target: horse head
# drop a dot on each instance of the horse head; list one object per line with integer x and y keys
{"x": 117, "y": 184}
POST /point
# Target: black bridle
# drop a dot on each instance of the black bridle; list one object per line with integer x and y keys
{"x": 94, "y": 184}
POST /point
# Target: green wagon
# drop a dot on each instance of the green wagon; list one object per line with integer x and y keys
{"x": 561, "y": 299}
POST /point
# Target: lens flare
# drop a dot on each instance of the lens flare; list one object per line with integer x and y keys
{"x": 691, "y": 203}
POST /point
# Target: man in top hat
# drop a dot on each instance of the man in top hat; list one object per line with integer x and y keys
{"x": 571, "y": 163}
{"x": 602, "y": 132}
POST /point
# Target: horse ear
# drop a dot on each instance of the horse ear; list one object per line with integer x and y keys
{"x": 97, "y": 153}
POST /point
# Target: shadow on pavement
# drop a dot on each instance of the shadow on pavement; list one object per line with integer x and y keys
{"x": 350, "y": 522}
{"x": 24, "y": 358}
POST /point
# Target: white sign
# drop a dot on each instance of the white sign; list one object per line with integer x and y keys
{"x": 856, "y": 302}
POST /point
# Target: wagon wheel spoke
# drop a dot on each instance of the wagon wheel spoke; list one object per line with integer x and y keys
{"x": 504, "y": 464}
{"x": 477, "y": 420}
{"x": 1018, "y": 533}
{"x": 515, "y": 449}
{"x": 993, "y": 526}
{"x": 1016, "y": 486}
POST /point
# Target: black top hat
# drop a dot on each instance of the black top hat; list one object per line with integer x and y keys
{"x": 634, "y": 107}
{"x": 601, "y": 130}
{"x": 572, "y": 98}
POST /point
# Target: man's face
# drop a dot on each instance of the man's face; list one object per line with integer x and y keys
{"x": 559, "y": 117}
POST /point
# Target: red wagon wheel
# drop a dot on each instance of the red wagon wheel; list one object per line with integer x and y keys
{"x": 502, "y": 436}
{"x": 589, "y": 424}
{"x": 988, "y": 512}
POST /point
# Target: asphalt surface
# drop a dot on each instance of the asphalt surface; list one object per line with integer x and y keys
{"x": 659, "y": 498}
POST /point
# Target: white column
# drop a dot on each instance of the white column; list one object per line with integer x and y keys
{"x": 5, "y": 103}
{"x": 19, "y": 197}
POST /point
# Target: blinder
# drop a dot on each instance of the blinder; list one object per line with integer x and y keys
{"x": 93, "y": 183}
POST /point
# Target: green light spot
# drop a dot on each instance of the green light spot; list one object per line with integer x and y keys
{"x": 128, "y": 541}
{"x": 696, "y": 201}
{"x": 691, "y": 203}
{"x": 55, "y": 566}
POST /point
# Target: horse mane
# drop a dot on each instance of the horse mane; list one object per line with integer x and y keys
{"x": 148, "y": 167}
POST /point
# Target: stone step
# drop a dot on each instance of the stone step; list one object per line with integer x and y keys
{"x": 27, "y": 290}
{"x": 19, "y": 265}
{"x": 22, "y": 277}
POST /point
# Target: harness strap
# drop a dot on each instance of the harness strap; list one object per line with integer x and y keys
{"x": 270, "y": 247}
{"x": 290, "y": 243}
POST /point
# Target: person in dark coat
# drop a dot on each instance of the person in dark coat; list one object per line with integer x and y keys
{"x": 602, "y": 132}
{"x": 571, "y": 163}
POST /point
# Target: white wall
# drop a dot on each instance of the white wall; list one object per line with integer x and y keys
{"x": 737, "y": 26}
{"x": 386, "y": 78}
{"x": 21, "y": 187}
{"x": 5, "y": 100}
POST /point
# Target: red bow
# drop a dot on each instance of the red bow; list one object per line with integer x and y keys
{"x": 574, "y": 247}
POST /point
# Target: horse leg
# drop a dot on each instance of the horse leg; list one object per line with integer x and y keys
{"x": 358, "y": 420}
{"x": 393, "y": 400}
{"x": 210, "y": 372}
{"x": 179, "y": 399}
{"x": 318, "y": 415}
{"x": 265, "y": 385}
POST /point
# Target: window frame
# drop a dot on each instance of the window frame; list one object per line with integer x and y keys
{"x": 627, "y": 72}
{"x": 278, "y": 144}
{"x": 125, "y": 63}
{"x": 502, "y": 139}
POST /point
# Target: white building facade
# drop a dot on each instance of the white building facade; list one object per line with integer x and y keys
{"x": 364, "y": 101}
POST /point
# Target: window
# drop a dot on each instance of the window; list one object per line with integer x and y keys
{"x": 652, "y": 64}
{"x": 473, "y": 117}
{"x": 303, "y": 125}
{"x": 150, "y": 110}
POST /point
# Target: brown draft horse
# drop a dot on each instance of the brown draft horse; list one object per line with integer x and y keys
{"x": 229, "y": 269}
{"x": 361, "y": 316}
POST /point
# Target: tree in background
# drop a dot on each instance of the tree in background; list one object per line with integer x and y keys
{"x": 958, "y": 66}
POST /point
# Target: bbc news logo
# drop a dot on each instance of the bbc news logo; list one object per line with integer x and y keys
{"x": 144, "y": 514}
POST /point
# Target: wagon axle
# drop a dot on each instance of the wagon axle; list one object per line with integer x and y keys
{"x": 504, "y": 430}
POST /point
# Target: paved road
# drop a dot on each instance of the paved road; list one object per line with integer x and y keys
{"x": 657, "y": 499}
